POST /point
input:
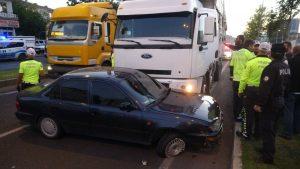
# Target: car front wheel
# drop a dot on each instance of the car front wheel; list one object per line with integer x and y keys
{"x": 49, "y": 127}
{"x": 171, "y": 145}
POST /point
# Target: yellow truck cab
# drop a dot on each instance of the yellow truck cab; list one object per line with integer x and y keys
{"x": 80, "y": 36}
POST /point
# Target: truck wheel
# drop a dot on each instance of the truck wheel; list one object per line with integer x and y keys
{"x": 170, "y": 145}
{"x": 49, "y": 127}
{"x": 206, "y": 85}
{"x": 216, "y": 76}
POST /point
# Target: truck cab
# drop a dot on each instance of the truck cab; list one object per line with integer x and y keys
{"x": 79, "y": 37}
{"x": 175, "y": 41}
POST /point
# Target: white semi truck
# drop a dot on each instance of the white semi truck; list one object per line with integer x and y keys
{"x": 178, "y": 42}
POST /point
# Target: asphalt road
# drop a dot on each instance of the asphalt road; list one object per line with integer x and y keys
{"x": 14, "y": 64}
{"x": 24, "y": 148}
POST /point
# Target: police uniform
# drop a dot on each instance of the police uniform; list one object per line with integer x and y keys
{"x": 249, "y": 84}
{"x": 30, "y": 70}
{"x": 237, "y": 64}
{"x": 273, "y": 84}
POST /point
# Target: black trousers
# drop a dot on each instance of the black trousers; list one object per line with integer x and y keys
{"x": 269, "y": 119}
{"x": 237, "y": 101}
{"x": 252, "y": 117}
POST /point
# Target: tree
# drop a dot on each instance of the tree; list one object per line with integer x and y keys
{"x": 31, "y": 22}
{"x": 257, "y": 24}
{"x": 288, "y": 9}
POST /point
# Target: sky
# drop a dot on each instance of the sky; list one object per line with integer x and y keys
{"x": 238, "y": 11}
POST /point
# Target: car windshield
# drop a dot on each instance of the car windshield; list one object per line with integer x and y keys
{"x": 68, "y": 30}
{"x": 144, "y": 88}
{"x": 156, "y": 25}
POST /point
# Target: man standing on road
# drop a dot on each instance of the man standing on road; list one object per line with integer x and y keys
{"x": 29, "y": 71}
{"x": 291, "y": 113}
{"x": 248, "y": 88}
{"x": 270, "y": 101}
{"x": 239, "y": 42}
{"x": 237, "y": 66}
{"x": 288, "y": 50}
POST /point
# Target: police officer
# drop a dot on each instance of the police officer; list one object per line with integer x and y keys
{"x": 248, "y": 87}
{"x": 29, "y": 71}
{"x": 239, "y": 42}
{"x": 237, "y": 65}
{"x": 270, "y": 101}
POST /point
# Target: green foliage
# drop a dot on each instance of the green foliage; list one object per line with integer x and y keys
{"x": 278, "y": 21}
{"x": 289, "y": 8}
{"x": 256, "y": 26}
{"x": 31, "y": 22}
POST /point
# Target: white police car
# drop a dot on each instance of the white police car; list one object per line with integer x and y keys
{"x": 12, "y": 49}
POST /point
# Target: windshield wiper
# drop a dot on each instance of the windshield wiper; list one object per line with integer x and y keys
{"x": 133, "y": 41}
{"x": 166, "y": 40}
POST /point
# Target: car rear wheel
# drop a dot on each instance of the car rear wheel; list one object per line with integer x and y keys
{"x": 49, "y": 127}
{"x": 171, "y": 145}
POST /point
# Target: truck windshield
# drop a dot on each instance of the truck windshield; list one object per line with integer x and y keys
{"x": 156, "y": 25}
{"x": 68, "y": 30}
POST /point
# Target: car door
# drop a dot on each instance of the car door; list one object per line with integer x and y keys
{"x": 110, "y": 119}
{"x": 73, "y": 109}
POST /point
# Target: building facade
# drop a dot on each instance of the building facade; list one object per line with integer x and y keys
{"x": 8, "y": 20}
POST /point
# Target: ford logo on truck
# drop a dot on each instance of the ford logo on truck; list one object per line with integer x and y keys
{"x": 146, "y": 56}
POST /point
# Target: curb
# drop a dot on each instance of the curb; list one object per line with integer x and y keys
{"x": 237, "y": 150}
{"x": 8, "y": 82}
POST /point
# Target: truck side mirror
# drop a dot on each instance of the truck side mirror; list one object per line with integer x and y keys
{"x": 209, "y": 29}
{"x": 104, "y": 17}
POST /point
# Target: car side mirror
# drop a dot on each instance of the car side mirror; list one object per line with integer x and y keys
{"x": 126, "y": 106}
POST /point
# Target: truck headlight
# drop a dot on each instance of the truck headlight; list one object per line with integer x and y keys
{"x": 49, "y": 67}
{"x": 187, "y": 88}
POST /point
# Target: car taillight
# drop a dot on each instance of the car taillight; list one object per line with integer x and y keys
{"x": 18, "y": 105}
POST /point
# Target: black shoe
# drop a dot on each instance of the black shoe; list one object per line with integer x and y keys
{"x": 266, "y": 161}
{"x": 284, "y": 136}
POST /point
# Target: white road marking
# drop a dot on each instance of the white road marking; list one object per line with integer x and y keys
{"x": 13, "y": 131}
{"x": 166, "y": 164}
{"x": 8, "y": 93}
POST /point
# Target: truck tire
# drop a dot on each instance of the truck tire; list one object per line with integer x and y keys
{"x": 171, "y": 145}
{"x": 216, "y": 76}
{"x": 206, "y": 85}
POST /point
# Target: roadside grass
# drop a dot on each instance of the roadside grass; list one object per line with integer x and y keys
{"x": 287, "y": 154}
{"x": 8, "y": 74}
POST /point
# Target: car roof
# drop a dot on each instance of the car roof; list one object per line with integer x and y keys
{"x": 100, "y": 72}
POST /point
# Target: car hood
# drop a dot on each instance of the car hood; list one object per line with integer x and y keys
{"x": 197, "y": 106}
